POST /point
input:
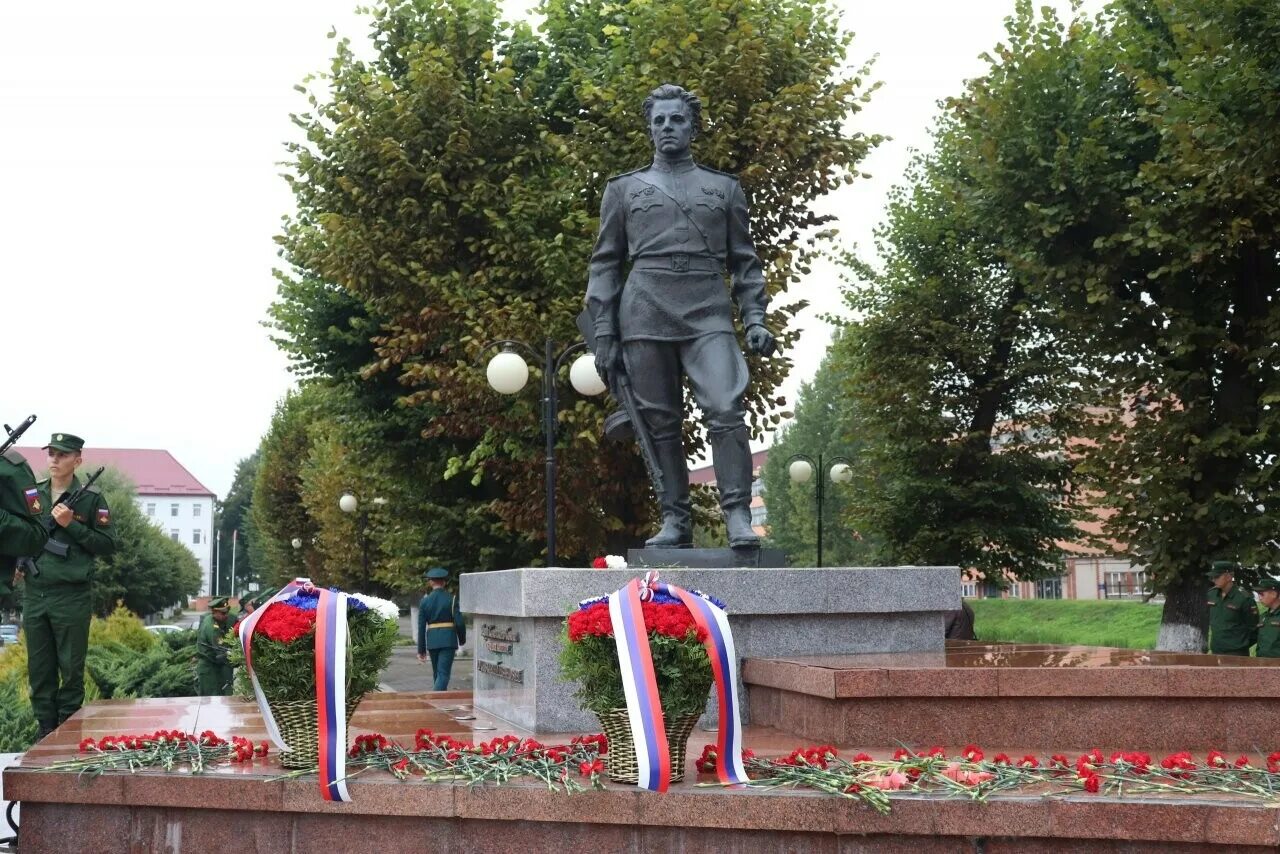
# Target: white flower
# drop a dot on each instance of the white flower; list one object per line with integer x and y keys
{"x": 615, "y": 561}
{"x": 388, "y": 610}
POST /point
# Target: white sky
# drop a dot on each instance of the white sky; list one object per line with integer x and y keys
{"x": 140, "y": 192}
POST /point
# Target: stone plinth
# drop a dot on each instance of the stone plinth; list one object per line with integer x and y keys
{"x": 252, "y": 807}
{"x": 1074, "y": 697}
{"x": 773, "y": 612}
{"x": 722, "y": 558}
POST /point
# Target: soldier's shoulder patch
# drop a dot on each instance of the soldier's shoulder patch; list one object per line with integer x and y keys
{"x": 32, "y": 497}
{"x": 104, "y": 517}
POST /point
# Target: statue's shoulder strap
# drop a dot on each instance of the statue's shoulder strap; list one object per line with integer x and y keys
{"x": 718, "y": 172}
{"x": 627, "y": 174}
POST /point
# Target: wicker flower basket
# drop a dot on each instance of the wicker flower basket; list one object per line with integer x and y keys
{"x": 298, "y": 728}
{"x": 620, "y": 761}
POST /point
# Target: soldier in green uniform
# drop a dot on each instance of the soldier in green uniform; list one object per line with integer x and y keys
{"x": 56, "y": 607}
{"x": 21, "y": 534}
{"x": 1233, "y": 615}
{"x": 1268, "y": 590}
{"x": 213, "y": 671}
{"x": 661, "y": 313}
{"x": 440, "y": 627}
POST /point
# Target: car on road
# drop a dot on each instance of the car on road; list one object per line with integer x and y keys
{"x": 9, "y": 633}
{"x": 165, "y": 629}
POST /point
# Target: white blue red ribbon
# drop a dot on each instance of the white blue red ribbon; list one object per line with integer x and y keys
{"x": 331, "y": 694}
{"x": 331, "y": 683}
{"x": 640, "y": 686}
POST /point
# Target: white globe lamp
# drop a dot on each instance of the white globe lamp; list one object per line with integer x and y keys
{"x": 507, "y": 373}
{"x": 800, "y": 471}
{"x": 347, "y": 503}
{"x": 583, "y": 376}
{"x": 841, "y": 473}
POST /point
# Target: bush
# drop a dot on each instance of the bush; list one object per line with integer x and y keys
{"x": 18, "y": 726}
{"x": 123, "y": 626}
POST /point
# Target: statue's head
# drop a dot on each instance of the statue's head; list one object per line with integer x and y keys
{"x": 673, "y": 117}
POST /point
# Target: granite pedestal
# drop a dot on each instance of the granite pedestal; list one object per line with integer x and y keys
{"x": 519, "y": 615}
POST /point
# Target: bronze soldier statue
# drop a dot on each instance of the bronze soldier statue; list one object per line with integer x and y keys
{"x": 660, "y": 312}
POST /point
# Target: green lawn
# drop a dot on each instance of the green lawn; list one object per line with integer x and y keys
{"x": 1125, "y": 624}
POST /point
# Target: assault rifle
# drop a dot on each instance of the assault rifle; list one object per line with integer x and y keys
{"x": 15, "y": 435}
{"x": 626, "y": 423}
{"x": 57, "y": 547}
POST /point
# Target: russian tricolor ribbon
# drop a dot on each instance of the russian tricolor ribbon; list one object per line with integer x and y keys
{"x": 640, "y": 685}
{"x": 331, "y": 683}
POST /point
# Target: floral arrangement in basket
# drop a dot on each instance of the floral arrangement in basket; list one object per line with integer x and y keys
{"x": 665, "y": 634}
{"x": 305, "y": 704}
{"x": 589, "y": 655}
{"x": 284, "y": 646}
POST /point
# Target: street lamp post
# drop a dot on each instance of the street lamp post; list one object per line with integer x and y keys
{"x": 801, "y": 467}
{"x": 348, "y": 503}
{"x": 508, "y": 372}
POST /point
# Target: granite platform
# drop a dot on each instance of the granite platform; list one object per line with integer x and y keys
{"x": 247, "y": 808}
{"x": 1076, "y": 697}
{"x": 519, "y": 616}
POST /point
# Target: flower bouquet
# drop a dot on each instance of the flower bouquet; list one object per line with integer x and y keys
{"x": 282, "y": 648}
{"x": 681, "y": 668}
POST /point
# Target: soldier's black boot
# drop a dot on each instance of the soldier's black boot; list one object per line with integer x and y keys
{"x": 677, "y": 517}
{"x": 731, "y": 457}
{"x": 45, "y": 729}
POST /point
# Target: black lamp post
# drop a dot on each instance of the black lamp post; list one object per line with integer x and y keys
{"x": 801, "y": 468}
{"x": 348, "y": 503}
{"x": 508, "y": 372}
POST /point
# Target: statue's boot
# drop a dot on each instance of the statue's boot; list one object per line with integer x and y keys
{"x": 731, "y": 456}
{"x": 677, "y": 517}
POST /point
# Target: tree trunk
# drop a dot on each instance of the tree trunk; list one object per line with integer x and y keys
{"x": 1184, "y": 624}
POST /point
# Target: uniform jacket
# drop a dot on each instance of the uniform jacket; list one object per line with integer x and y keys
{"x": 21, "y": 534}
{"x": 678, "y": 228}
{"x": 211, "y": 648}
{"x": 1233, "y": 619}
{"x": 439, "y": 608}
{"x": 91, "y": 534}
{"x": 1269, "y": 633}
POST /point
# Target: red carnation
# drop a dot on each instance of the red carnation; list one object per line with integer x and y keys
{"x": 600, "y": 563}
{"x": 1092, "y": 783}
{"x": 972, "y": 752}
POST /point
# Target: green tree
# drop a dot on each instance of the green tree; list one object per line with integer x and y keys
{"x": 233, "y": 527}
{"x": 826, "y": 423}
{"x": 963, "y": 387}
{"x": 277, "y": 514}
{"x": 447, "y": 194}
{"x": 1134, "y": 168}
{"x": 148, "y": 571}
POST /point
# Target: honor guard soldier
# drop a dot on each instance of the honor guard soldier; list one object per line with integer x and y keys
{"x": 213, "y": 671}
{"x": 441, "y": 629}
{"x": 1268, "y": 590}
{"x": 1233, "y": 615}
{"x": 56, "y": 604}
{"x": 21, "y": 534}
{"x": 660, "y": 312}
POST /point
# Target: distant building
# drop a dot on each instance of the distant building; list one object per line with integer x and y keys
{"x": 168, "y": 495}
{"x": 759, "y": 516}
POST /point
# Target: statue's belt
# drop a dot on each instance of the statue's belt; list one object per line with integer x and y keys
{"x": 679, "y": 262}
